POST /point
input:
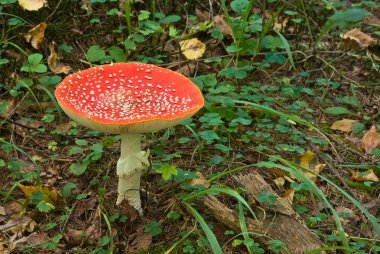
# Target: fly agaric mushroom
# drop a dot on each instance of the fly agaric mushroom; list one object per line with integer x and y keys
{"x": 129, "y": 99}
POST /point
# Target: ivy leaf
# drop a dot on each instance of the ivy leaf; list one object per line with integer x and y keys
{"x": 167, "y": 171}
{"x": 95, "y": 54}
{"x": 78, "y": 168}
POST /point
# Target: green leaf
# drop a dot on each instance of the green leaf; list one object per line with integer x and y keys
{"x": 49, "y": 80}
{"x": 337, "y": 111}
{"x": 95, "y": 54}
{"x": 266, "y": 197}
{"x": 117, "y": 54}
{"x": 39, "y": 68}
{"x": 170, "y": 19}
{"x": 173, "y": 215}
{"x": 81, "y": 142}
{"x": 104, "y": 240}
{"x": 35, "y": 59}
{"x": 129, "y": 44}
{"x": 167, "y": 171}
{"x": 2, "y": 163}
{"x": 75, "y": 150}
{"x": 67, "y": 188}
{"x": 275, "y": 245}
{"x": 239, "y": 5}
{"x": 78, "y": 168}
{"x": 3, "y": 61}
{"x": 153, "y": 228}
{"x": 44, "y": 207}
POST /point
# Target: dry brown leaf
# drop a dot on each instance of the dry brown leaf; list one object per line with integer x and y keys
{"x": 370, "y": 140}
{"x": 187, "y": 70}
{"x": 79, "y": 236}
{"x": 356, "y": 39}
{"x": 344, "y": 125}
{"x": 193, "y": 48}
{"x": 202, "y": 15}
{"x": 32, "y": 5}
{"x": 279, "y": 25}
{"x": 199, "y": 181}
{"x": 51, "y": 195}
{"x": 309, "y": 161}
{"x": 368, "y": 175}
{"x": 54, "y": 64}
{"x": 222, "y": 25}
{"x": 35, "y": 36}
{"x": 141, "y": 241}
{"x": 372, "y": 20}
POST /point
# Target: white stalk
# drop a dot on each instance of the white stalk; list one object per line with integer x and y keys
{"x": 129, "y": 168}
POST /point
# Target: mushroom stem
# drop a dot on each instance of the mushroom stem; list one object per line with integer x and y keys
{"x": 129, "y": 168}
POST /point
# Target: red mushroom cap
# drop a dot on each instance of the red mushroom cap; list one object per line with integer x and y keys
{"x": 128, "y": 97}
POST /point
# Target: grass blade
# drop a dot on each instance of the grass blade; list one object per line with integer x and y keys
{"x": 216, "y": 249}
{"x": 287, "y": 48}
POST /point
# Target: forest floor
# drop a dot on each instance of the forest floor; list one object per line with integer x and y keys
{"x": 283, "y": 158}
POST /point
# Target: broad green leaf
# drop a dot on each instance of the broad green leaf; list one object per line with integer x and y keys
{"x": 117, "y": 54}
{"x": 167, "y": 171}
{"x": 153, "y": 228}
{"x": 95, "y": 54}
{"x": 78, "y": 168}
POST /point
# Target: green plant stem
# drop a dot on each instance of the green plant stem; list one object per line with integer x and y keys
{"x": 307, "y": 22}
{"x": 127, "y": 13}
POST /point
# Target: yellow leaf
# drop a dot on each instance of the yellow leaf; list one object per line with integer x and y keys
{"x": 54, "y": 64}
{"x": 368, "y": 175}
{"x": 51, "y": 195}
{"x": 344, "y": 125}
{"x": 193, "y": 48}
{"x": 35, "y": 36}
{"x": 32, "y": 5}
{"x": 370, "y": 140}
{"x": 280, "y": 181}
{"x": 309, "y": 161}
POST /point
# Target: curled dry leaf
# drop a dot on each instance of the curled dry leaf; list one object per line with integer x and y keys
{"x": 32, "y": 5}
{"x": 368, "y": 175}
{"x": 54, "y": 64}
{"x": 356, "y": 39}
{"x": 193, "y": 48}
{"x": 344, "y": 125}
{"x": 6, "y": 107}
{"x": 222, "y": 25}
{"x": 370, "y": 140}
{"x": 35, "y": 36}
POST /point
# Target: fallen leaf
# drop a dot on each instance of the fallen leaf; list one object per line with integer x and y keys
{"x": 202, "y": 15}
{"x": 54, "y": 64}
{"x": 279, "y": 25}
{"x": 344, "y": 125}
{"x": 356, "y": 39}
{"x": 280, "y": 181}
{"x": 199, "y": 181}
{"x": 368, "y": 175}
{"x": 51, "y": 195}
{"x": 35, "y": 36}
{"x": 141, "y": 241}
{"x": 309, "y": 161}
{"x": 32, "y": 5}
{"x": 372, "y": 20}
{"x": 193, "y": 48}
{"x": 187, "y": 70}
{"x": 79, "y": 236}
{"x": 370, "y": 140}
{"x": 222, "y": 25}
